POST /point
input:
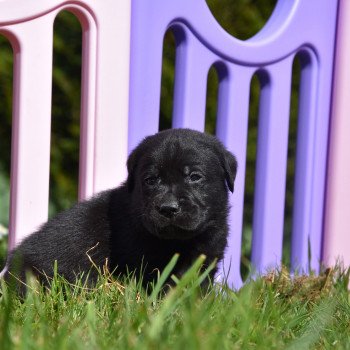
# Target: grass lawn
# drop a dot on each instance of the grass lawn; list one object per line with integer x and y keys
{"x": 273, "y": 312}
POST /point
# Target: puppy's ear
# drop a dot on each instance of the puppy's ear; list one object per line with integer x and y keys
{"x": 230, "y": 168}
{"x": 131, "y": 165}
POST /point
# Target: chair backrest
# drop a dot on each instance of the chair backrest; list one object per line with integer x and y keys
{"x": 104, "y": 103}
{"x": 296, "y": 27}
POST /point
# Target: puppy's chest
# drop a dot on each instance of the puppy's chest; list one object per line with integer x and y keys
{"x": 148, "y": 251}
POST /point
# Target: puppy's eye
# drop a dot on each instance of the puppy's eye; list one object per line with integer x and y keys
{"x": 195, "y": 177}
{"x": 151, "y": 180}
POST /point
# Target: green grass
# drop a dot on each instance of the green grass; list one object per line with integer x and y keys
{"x": 274, "y": 312}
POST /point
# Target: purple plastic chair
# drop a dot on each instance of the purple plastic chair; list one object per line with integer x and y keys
{"x": 296, "y": 27}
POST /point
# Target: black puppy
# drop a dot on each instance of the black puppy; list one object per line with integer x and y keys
{"x": 175, "y": 200}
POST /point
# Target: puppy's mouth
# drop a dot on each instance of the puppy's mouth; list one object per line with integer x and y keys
{"x": 178, "y": 225}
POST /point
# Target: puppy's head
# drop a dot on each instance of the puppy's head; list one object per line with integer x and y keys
{"x": 179, "y": 181}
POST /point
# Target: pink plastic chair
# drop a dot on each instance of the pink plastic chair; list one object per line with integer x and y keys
{"x": 104, "y": 104}
{"x": 336, "y": 247}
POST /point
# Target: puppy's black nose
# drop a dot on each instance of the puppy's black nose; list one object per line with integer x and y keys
{"x": 169, "y": 208}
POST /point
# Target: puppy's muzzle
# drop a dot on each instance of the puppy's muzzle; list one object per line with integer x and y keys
{"x": 169, "y": 207}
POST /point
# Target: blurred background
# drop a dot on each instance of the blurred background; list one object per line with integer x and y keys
{"x": 241, "y": 18}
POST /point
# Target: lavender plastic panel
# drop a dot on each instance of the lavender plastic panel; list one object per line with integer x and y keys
{"x": 304, "y": 160}
{"x": 191, "y": 72}
{"x": 145, "y": 72}
{"x": 271, "y": 165}
{"x": 201, "y": 42}
{"x": 323, "y": 96}
{"x": 233, "y": 108}
{"x": 192, "y": 66}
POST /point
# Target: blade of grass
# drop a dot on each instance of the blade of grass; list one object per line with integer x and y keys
{"x": 177, "y": 295}
{"x": 163, "y": 277}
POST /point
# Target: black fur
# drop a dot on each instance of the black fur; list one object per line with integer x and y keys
{"x": 175, "y": 200}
